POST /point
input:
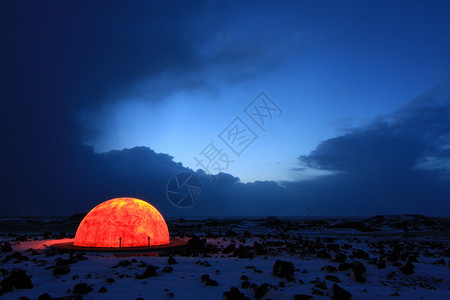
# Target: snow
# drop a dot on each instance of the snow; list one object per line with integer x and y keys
{"x": 429, "y": 281}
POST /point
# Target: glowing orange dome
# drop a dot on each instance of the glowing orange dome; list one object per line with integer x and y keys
{"x": 122, "y": 222}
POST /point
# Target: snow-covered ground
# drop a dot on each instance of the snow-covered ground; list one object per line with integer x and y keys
{"x": 242, "y": 254}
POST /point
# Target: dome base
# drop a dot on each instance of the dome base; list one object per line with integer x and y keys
{"x": 175, "y": 244}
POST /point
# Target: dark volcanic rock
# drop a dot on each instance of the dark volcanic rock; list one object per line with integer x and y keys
{"x": 344, "y": 266}
{"x": 45, "y": 296}
{"x": 333, "y": 247}
{"x": 329, "y": 269}
{"x": 102, "y": 290}
{"x": 283, "y": 269}
{"x": 82, "y": 288}
{"x": 320, "y": 284}
{"x": 259, "y": 249}
{"x": 323, "y": 254}
{"x": 357, "y": 270}
{"x": 339, "y": 257}
{"x": 150, "y": 271}
{"x": 303, "y": 297}
{"x": 4, "y": 272}
{"x": 244, "y": 252}
{"x": 332, "y": 278}
{"x": 439, "y": 262}
{"x": 317, "y": 292}
{"x": 204, "y": 277}
{"x": 262, "y": 290}
{"x": 381, "y": 264}
{"x": 235, "y": 294}
{"x": 123, "y": 263}
{"x": 17, "y": 279}
{"x": 15, "y": 255}
{"x": 195, "y": 245}
{"x": 339, "y": 293}
{"x": 358, "y": 253}
{"x": 230, "y": 233}
{"x": 211, "y": 282}
{"x": 61, "y": 270}
{"x": 408, "y": 268}
{"x": 167, "y": 269}
{"x": 171, "y": 261}
{"x": 230, "y": 248}
{"x": 6, "y": 247}
{"x": 245, "y": 284}
{"x": 109, "y": 280}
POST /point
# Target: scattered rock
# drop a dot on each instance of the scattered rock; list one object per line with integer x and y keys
{"x": 357, "y": 270}
{"x": 17, "y": 279}
{"x": 82, "y": 288}
{"x": 262, "y": 290}
{"x": 150, "y": 271}
{"x": 61, "y": 270}
{"x": 339, "y": 257}
{"x": 259, "y": 249}
{"x": 211, "y": 282}
{"x": 203, "y": 263}
{"x": 45, "y": 296}
{"x": 195, "y": 245}
{"x": 123, "y": 263}
{"x": 16, "y": 255}
{"x": 244, "y": 252}
{"x": 439, "y": 262}
{"x": 245, "y": 284}
{"x": 303, "y": 297}
{"x": 235, "y": 294}
{"x": 109, "y": 280}
{"x": 283, "y": 269}
{"x": 102, "y": 290}
{"x": 171, "y": 261}
{"x": 359, "y": 254}
{"x": 228, "y": 249}
{"x": 381, "y": 264}
{"x": 329, "y": 269}
{"x": 408, "y": 268}
{"x": 4, "y": 272}
{"x": 317, "y": 292}
{"x": 6, "y": 247}
{"x": 332, "y": 278}
{"x": 344, "y": 266}
{"x": 167, "y": 269}
{"x": 323, "y": 254}
{"x": 338, "y": 293}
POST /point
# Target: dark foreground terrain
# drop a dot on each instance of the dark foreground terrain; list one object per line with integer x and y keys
{"x": 398, "y": 257}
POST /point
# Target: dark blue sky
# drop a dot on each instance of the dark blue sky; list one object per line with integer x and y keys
{"x": 359, "y": 93}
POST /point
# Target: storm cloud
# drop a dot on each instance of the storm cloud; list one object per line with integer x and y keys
{"x": 61, "y": 58}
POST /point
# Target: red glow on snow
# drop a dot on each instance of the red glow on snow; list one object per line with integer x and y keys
{"x": 122, "y": 222}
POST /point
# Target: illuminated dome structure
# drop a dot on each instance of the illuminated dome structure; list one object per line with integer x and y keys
{"x": 122, "y": 222}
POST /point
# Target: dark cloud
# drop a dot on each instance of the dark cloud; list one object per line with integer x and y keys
{"x": 60, "y": 58}
{"x": 377, "y": 164}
